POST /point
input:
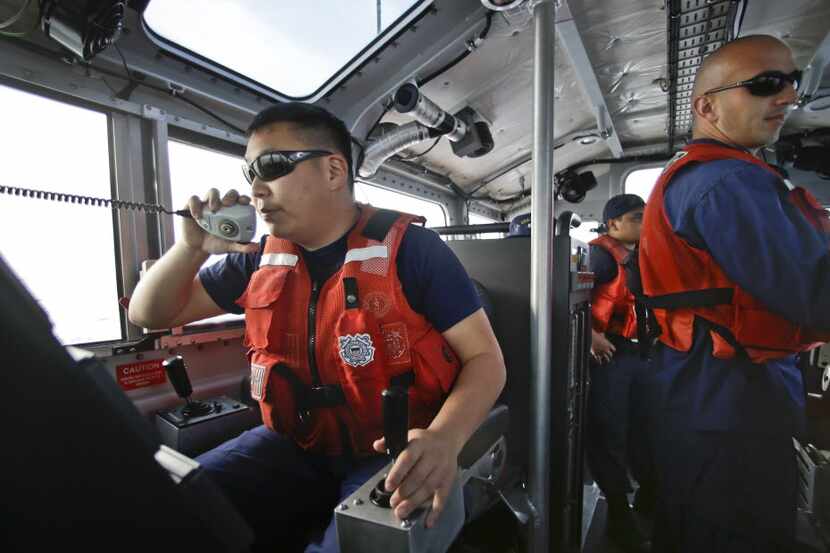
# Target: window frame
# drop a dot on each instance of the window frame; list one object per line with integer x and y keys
{"x": 139, "y": 171}
{"x": 381, "y": 41}
{"x": 444, "y": 208}
{"x": 117, "y": 234}
{"x": 165, "y": 190}
{"x": 627, "y": 173}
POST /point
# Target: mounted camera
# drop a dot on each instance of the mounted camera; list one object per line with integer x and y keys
{"x": 84, "y": 28}
{"x": 808, "y": 152}
{"x": 573, "y": 186}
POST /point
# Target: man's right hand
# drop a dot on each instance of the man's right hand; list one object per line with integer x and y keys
{"x": 601, "y": 348}
{"x": 195, "y": 237}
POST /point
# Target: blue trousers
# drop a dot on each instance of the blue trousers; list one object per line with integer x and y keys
{"x": 725, "y": 492}
{"x": 619, "y": 424}
{"x": 286, "y": 494}
{"x": 728, "y": 480}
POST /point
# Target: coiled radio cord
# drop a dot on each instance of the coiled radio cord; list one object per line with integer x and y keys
{"x": 89, "y": 200}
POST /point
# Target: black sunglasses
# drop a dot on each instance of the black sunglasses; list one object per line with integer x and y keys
{"x": 278, "y": 163}
{"x": 768, "y": 83}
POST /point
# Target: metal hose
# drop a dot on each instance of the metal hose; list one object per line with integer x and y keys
{"x": 410, "y": 100}
{"x": 391, "y": 143}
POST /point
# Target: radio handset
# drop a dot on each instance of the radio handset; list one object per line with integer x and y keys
{"x": 236, "y": 223}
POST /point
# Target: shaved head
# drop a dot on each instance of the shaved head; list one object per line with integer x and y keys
{"x": 734, "y": 115}
{"x": 720, "y": 67}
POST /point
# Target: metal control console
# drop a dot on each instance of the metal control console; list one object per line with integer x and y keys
{"x": 365, "y": 526}
{"x": 195, "y": 434}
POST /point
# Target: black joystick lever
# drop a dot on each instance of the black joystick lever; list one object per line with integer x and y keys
{"x": 177, "y": 374}
{"x": 395, "y": 430}
{"x": 395, "y": 419}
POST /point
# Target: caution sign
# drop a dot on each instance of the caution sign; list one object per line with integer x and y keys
{"x": 140, "y": 374}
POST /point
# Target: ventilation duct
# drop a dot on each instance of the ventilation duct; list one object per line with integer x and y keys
{"x": 392, "y": 143}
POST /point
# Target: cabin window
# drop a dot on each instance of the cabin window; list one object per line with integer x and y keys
{"x": 294, "y": 48}
{"x": 195, "y": 170}
{"x": 641, "y": 181}
{"x": 63, "y": 252}
{"x": 389, "y": 199}
{"x": 476, "y": 219}
{"x": 585, "y": 232}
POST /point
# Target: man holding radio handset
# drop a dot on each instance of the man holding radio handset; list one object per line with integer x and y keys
{"x": 341, "y": 301}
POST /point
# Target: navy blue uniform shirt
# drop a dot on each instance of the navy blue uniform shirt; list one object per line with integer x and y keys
{"x": 434, "y": 281}
{"x": 738, "y": 212}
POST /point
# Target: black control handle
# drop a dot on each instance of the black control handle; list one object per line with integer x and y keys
{"x": 395, "y": 419}
{"x": 177, "y": 373}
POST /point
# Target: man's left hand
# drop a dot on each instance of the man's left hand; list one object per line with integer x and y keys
{"x": 424, "y": 470}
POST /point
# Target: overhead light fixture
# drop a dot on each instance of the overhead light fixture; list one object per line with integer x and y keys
{"x": 502, "y": 5}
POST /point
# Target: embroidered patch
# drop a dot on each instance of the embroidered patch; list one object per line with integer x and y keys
{"x": 396, "y": 341}
{"x": 257, "y": 382}
{"x": 356, "y": 350}
{"x": 377, "y": 303}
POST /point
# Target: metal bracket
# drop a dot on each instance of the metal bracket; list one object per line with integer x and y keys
{"x": 814, "y": 71}
{"x": 518, "y": 501}
{"x": 604, "y": 124}
{"x": 572, "y": 42}
{"x": 177, "y": 340}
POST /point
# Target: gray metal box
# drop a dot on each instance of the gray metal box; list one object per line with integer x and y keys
{"x": 364, "y": 527}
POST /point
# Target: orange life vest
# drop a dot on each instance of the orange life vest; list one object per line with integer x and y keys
{"x": 683, "y": 283}
{"x": 612, "y": 304}
{"x": 322, "y": 353}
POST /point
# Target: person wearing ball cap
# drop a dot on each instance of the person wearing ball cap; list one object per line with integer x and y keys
{"x": 616, "y": 434}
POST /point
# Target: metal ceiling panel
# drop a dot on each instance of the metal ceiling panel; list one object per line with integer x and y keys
{"x": 627, "y": 42}
{"x": 496, "y": 80}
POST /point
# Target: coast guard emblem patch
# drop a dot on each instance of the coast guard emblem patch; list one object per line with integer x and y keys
{"x": 356, "y": 350}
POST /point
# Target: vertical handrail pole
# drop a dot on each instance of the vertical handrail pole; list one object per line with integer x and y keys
{"x": 541, "y": 289}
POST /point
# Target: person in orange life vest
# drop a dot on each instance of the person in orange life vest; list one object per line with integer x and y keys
{"x": 616, "y": 436}
{"x": 741, "y": 260}
{"x": 342, "y": 297}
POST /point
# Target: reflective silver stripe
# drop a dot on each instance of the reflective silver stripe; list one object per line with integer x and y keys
{"x": 362, "y": 254}
{"x": 285, "y": 259}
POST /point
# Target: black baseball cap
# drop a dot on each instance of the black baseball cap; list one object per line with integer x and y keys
{"x": 620, "y": 205}
{"x": 519, "y": 226}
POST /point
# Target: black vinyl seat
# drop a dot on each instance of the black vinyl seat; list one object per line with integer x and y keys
{"x": 80, "y": 465}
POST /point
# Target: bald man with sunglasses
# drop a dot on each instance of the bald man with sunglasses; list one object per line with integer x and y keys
{"x": 341, "y": 301}
{"x": 735, "y": 263}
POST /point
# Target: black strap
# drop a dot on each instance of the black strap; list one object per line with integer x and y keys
{"x": 350, "y": 293}
{"x": 404, "y": 380}
{"x": 378, "y": 225}
{"x": 644, "y": 331}
{"x": 708, "y": 297}
{"x": 307, "y": 397}
{"x": 329, "y": 395}
{"x": 724, "y": 333}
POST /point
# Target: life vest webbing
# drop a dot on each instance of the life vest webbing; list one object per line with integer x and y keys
{"x": 708, "y": 297}
{"x": 378, "y": 225}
